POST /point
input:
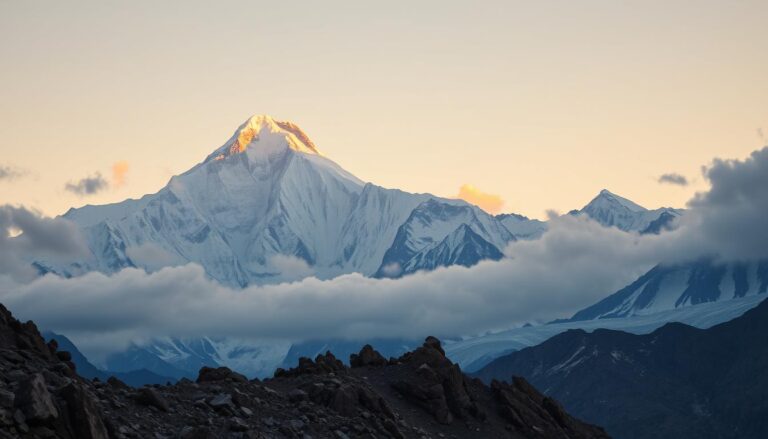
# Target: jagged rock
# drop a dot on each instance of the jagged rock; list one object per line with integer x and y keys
{"x": 435, "y": 344}
{"x": 34, "y": 400}
{"x": 209, "y": 374}
{"x": 116, "y": 383}
{"x": 367, "y": 357}
{"x": 437, "y": 385}
{"x": 323, "y": 364}
{"x": 84, "y": 415}
{"x": 152, "y": 398}
{"x": 64, "y": 356}
{"x": 53, "y": 346}
{"x": 319, "y": 398}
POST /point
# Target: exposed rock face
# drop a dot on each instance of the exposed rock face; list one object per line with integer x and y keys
{"x": 40, "y": 395}
{"x": 421, "y": 394}
{"x": 436, "y": 384}
{"x": 34, "y": 400}
{"x": 367, "y": 357}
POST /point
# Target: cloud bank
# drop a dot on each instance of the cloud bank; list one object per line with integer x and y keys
{"x": 488, "y": 202}
{"x": 576, "y": 263}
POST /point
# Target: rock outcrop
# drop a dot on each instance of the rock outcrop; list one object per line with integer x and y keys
{"x": 40, "y": 394}
{"x": 421, "y": 394}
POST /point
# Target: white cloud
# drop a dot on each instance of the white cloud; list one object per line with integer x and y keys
{"x": 152, "y": 257}
{"x": 289, "y": 268}
{"x": 392, "y": 270}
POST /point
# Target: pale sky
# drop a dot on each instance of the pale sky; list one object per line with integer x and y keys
{"x": 539, "y": 103}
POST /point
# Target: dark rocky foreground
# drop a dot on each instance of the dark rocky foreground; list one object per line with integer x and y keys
{"x": 421, "y": 394}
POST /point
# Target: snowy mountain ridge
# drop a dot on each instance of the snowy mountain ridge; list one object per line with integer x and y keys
{"x": 268, "y": 191}
{"x": 612, "y": 210}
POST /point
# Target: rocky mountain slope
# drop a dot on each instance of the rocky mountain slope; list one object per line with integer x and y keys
{"x": 677, "y": 381}
{"x": 420, "y": 394}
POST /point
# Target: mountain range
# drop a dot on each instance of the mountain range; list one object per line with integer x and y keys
{"x": 678, "y": 381}
{"x": 268, "y": 193}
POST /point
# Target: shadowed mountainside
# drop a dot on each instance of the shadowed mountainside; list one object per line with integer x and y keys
{"x": 677, "y": 381}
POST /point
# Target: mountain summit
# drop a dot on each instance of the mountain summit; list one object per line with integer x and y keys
{"x": 612, "y": 210}
{"x": 262, "y": 133}
{"x": 607, "y": 198}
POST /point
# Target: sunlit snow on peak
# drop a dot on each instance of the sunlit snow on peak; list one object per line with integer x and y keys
{"x": 264, "y": 132}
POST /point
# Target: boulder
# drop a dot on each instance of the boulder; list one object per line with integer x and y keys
{"x": 34, "y": 400}
{"x": 210, "y": 374}
{"x": 150, "y": 397}
{"x": 83, "y": 414}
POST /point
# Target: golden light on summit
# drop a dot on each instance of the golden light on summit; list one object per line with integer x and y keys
{"x": 245, "y": 137}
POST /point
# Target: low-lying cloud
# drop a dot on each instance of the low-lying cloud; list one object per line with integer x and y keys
{"x": 674, "y": 179}
{"x": 87, "y": 186}
{"x": 151, "y": 257}
{"x": 288, "y": 268}
{"x": 576, "y": 263}
{"x": 26, "y": 236}
{"x": 490, "y": 203}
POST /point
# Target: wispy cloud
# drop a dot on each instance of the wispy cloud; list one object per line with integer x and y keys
{"x": 88, "y": 185}
{"x": 8, "y": 173}
{"x": 673, "y": 178}
{"x": 119, "y": 173}
{"x": 490, "y": 203}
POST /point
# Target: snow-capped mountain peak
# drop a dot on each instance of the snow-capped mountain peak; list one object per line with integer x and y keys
{"x": 262, "y": 134}
{"x": 612, "y": 210}
{"x": 607, "y": 199}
